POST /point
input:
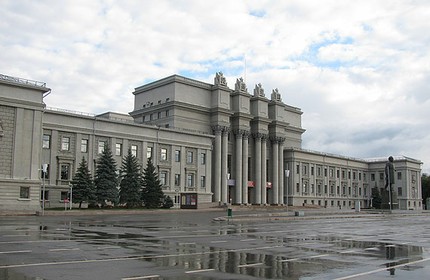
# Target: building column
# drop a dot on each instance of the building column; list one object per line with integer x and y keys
{"x": 264, "y": 170}
{"x": 275, "y": 170}
{"x": 217, "y": 171}
{"x": 281, "y": 172}
{"x": 257, "y": 170}
{"x": 245, "y": 168}
{"x": 224, "y": 186}
{"x": 238, "y": 175}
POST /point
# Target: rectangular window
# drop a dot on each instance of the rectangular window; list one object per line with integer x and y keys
{"x": 159, "y": 115}
{"x": 177, "y": 179}
{"x": 298, "y": 168}
{"x": 163, "y": 154}
{"x": 399, "y": 175}
{"x": 381, "y": 176}
{"x": 133, "y": 150}
{"x": 101, "y": 147}
{"x": 24, "y": 192}
{"x": 312, "y": 170}
{"x": 84, "y": 145}
{"x": 65, "y": 143}
{"x": 202, "y": 158}
{"x": 177, "y": 156}
{"x": 399, "y": 191}
{"x": 190, "y": 180}
{"x": 46, "y": 142}
{"x": 338, "y": 173}
{"x": 167, "y": 113}
{"x": 203, "y": 181}
{"x": 189, "y": 157}
{"x": 64, "y": 171}
{"x": 372, "y": 177}
{"x": 163, "y": 178}
{"x": 118, "y": 149}
{"x": 64, "y": 195}
{"x": 46, "y": 195}
{"x": 149, "y": 153}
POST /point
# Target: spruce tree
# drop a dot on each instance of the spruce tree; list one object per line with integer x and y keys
{"x": 152, "y": 194}
{"x": 83, "y": 185}
{"x": 106, "y": 179}
{"x": 131, "y": 182}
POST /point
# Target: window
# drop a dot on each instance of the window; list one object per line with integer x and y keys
{"x": 167, "y": 113}
{"x": 84, "y": 145}
{"x": 64, "y": 171}
{"x": 189, "y": 157}
{"x": 101, "y": 147}
{"x": 24, "y": 192}
{"x": 134, "y": 150}
{"x": 159, "y": 115}
{"x": 149, "y": 152}
{"x": 298, "y": 168}
{"x": 399, "y": 175}
{"x": 46, "y": 141}
{"x": 312, "y": 170}
{"x": 372, "y": 177}
{"x": 202, "y": 158}
{"x": 163, "y": 154}
{"x": 203, "y": 181}
{"x": 338, "y": 173}
{"x": 177, "y": 179}
{"x": 381, "y": 176}
{"x": 64, "y": 195}
{"x": 163, "y": 178}
{"x": 190, "y": 180}
{"x": 65, "y": 143}
{"x": 118, "y": 149}
{"x": 46, "y": 197}
{"x": 177, "y": 156}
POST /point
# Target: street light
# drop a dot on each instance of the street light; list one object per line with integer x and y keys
{"x": 44, "y": 170}
{"x": 287, "y": 175}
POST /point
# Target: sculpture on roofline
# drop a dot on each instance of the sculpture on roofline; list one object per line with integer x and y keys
{"x": 276, "y": 96}
{"x": 259, "y": 91}
{"x": 240, "y": 85}
{"x": 220, "y": 79}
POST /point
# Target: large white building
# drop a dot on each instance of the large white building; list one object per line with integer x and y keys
{"x": 210, "y": 143}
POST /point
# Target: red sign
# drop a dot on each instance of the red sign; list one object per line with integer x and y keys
{"x": 251, "y": 184}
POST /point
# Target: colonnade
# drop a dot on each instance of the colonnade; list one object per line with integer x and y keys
{"x": 250, "y": 186}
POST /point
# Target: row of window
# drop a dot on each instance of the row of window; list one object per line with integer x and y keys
{"x": 151, "y": 117}
{"x": 164, "y": 175}
{"x": 65, "y": 146}
{"x": 311, "y": 190}
{"x": 330, "y": 172}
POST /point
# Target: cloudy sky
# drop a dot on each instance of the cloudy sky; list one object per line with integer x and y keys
{"x": 359, "y": 70}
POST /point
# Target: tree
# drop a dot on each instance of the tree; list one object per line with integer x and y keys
{"x": 131, "y": 181}
{"x": 167, "y": 202}
{"x": 376, "y": 198}
{"x": 152, "y": 194}
{"x": 106, "y": 179}
{"x": 425, "y": 187}
{"x": 83, "y": 185}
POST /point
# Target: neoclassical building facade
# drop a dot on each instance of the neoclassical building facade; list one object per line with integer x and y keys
{"x": 210, "y": 144}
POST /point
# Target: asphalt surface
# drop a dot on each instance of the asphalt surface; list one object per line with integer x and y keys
{"x": 195, "y": 244}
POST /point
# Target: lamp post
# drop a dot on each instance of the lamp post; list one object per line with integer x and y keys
{"x": 71, "y": 196}
{"x": 44, "y": 170}
{"x": 287, "y": 175}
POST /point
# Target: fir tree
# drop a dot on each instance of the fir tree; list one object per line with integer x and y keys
{"x": 83, "y": 185}
{"x": 376, "y": 198}
{"x": 106, "y": 179}
{"x": 131, "y": 182}
{"x": 152, "y": 194}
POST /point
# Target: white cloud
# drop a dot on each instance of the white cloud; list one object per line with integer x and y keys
{"x": 360, "y": 71}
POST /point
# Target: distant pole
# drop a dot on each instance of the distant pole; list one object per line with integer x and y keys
{"x": 44, "y": 170}
{"x": 287, "y": 175}
{"x": 71, "y": 196}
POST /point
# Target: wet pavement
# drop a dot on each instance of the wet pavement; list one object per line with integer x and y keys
{"x": 196, "y": 245}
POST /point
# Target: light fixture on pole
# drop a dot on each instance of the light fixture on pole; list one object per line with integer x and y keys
{"x": 287, "y": 175}
{"x": 44, "y": 170}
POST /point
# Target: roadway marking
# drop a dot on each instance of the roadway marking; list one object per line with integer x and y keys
{"x": 250, "y": 265}
{"x": 200, "y": 270}
{"x": 141, "y": 277}
{"x": 16, "y": 252}
{"x": 381, "y": 269}
{"x": 64, "y": 249}
{"x": 305, "y": 258}
{"x": 246, "y": 240}
{"x": 108, "y": 247}
{"x": 16, "y": 235}
{"x": 219, "y": 241}
{"x": 186, "y": 243}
